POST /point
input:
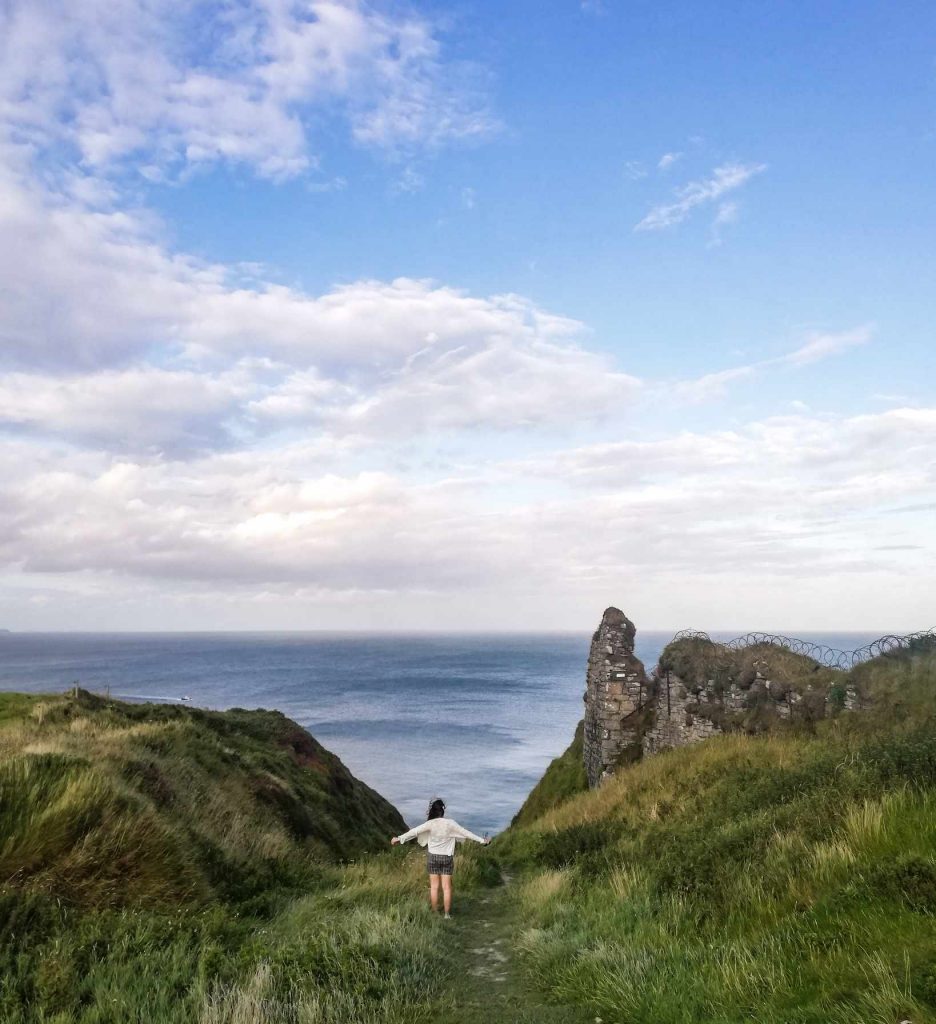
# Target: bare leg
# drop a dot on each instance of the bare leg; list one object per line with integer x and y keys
{"x": 434, "y": 892}
{"x": 447, "y": 892}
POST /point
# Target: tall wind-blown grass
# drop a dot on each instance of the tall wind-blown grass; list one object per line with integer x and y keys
{"x": 173, "y": 866}
{"x": 786, "y": 879}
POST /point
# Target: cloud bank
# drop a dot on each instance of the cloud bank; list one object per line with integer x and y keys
{"x": 187, "y": 445}
{"x": 169, "y": 86}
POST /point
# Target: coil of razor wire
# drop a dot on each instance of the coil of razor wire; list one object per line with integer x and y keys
{"x": 830, "y": 657}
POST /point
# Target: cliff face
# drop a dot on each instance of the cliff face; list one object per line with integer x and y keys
{"x": 563, "y": 779}
{"x": 698, "y": 689}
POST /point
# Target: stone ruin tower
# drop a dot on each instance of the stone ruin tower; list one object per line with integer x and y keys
{"x": 615, "y": 696}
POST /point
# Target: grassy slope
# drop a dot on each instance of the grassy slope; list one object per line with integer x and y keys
{"x": 106, "y": 802}
{"x": 564, "y": 778}
{"x": 165, "y": 864}
{"x": 168, "y": 865}
{"x": 786, "y": 878}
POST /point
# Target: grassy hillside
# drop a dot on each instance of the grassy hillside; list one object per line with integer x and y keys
{"x": 103, "y": 802}
{"x": 563, "y": 778}
{"x": 787, "y": 878}
{"x": 170, "y": 865}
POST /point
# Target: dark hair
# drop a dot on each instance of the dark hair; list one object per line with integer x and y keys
{"x": 436, "y": 808}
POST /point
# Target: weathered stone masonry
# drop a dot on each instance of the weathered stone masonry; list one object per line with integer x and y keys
{"x": 629, "y": 715}
{"x": 615, "y": 695}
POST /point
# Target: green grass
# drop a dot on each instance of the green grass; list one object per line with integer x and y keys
{"x": 167, "y": 864}
{"x": 789, "y": 879}
{"x": 105, "y": 803}
{"x": 361, "y": 947}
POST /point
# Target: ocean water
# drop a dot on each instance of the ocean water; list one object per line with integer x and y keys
{"x": 475, "y": 719}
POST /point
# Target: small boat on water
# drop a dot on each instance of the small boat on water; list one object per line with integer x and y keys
{"x": 186, "y": 697}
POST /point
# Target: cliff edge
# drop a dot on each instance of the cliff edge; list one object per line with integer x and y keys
{"x": 111, "y": 803}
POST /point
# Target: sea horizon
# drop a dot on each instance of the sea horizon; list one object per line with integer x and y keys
{"x": 712, "y": 631}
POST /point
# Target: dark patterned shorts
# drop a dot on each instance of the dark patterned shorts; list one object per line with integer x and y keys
{"x": 439, "y": 864}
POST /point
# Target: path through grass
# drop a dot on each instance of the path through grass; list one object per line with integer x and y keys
{"x": 487, "y": 985}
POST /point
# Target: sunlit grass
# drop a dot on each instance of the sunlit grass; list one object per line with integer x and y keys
{"x": 788, "y": 879}
{"x": 168, "y": 865}
{"x": 171, "y": 867}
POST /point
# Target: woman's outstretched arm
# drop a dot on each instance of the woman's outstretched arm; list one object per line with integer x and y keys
{"x": 463, "y": 833}
{"x": 413, "y": 832}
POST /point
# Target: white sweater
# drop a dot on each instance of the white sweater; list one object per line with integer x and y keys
{"x": 440, "y": 835}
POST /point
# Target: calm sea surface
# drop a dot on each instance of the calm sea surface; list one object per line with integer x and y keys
{"x": 475, "y": 719}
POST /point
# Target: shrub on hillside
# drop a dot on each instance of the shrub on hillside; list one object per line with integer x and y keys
{"x": 589, "y": 843}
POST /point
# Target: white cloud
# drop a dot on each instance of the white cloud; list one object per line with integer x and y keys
{"x": 828, "y": 454}
{"x": 805, "y": 502}
{"x": 172, "y": 85}
{"x": 336, "y": 184}
{"x": 85, "y": 288}
{"x": 500, "y": 384}
{"x": 409, "y": 182}
{"x": 667, "y": 160}
{"x": 706, "y": 387}
{"x": 635, "y": 170}
{"x": 234, "y": 520}
{"x": 709, "y": 386}
{"x": 417, "y": 99}
{"x": 821, "y": 344}
{"x": 724, "y": 179}
{"x": 129, "y": 409}
{"x": 792, "y": 500}
{"x": 110, "y": 339}
{"x": 727, "y": 214}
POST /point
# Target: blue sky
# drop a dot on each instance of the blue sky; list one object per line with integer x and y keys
{"x": 836, "y": 99}
{"x": 467, "y": 315}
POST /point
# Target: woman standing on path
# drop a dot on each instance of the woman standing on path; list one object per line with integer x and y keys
{"x": 439, "y": 835}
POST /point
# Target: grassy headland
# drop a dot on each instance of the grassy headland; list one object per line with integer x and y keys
{"x": 788, "y": 878}
{"x": 167, "y": 864}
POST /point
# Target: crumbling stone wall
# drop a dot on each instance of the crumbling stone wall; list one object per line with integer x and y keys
{"x": 615, "y": 698}
{"x": 685, "y": 713}
{"x": 676, "y": 719}
{"x": 688, "y": 713}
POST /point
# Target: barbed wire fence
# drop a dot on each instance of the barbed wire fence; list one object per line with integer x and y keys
{"x": 830, "y": 657}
